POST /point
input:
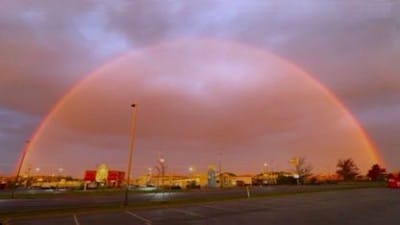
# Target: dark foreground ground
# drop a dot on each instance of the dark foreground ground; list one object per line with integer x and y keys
{"x": 378, "y": 206}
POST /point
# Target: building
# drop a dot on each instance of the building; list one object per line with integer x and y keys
{"x": 266, "y": 178}
{"x": 243, "y": 180}
{"x": 104, "y": 177}
{"x": 226, "y": 179}
{"x": 173, "y": 181}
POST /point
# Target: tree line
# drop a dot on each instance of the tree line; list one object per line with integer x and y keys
{"x": 347, "y": 170}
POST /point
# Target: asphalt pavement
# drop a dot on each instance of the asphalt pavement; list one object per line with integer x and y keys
{"x": 378, "y": 206}
{"x": 71, "y": 200}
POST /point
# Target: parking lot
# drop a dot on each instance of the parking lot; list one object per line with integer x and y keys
{"x": 364, "y": 206}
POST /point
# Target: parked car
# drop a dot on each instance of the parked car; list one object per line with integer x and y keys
{"x": 393, "y": 182}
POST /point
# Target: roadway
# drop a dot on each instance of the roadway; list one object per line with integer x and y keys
{"x": 362, "y": 206}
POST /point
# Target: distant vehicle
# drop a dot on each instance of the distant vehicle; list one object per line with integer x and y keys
{"x": 3, "y": 185}
{"x": 147, "y": 188}
{"x": 92, "y": 185}
{"x": 393, "y": 182}
{"x": 175, "y": 187}
{"x": 241, "y": 183}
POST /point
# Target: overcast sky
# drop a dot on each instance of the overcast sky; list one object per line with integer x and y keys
{"x": 235, "y": 101}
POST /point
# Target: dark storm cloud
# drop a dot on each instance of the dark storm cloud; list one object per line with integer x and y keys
{"x": 351, "y": 46}
{"x": 44, "y": 51}
{"x": 316, "y": 35}
{"x": 14, "y": 127}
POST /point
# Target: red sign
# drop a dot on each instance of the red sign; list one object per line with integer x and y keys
{"x": 90, "y": 175}
{"x": 114, "y": 175}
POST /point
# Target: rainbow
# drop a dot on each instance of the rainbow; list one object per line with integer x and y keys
{"x": 371, "y": 148}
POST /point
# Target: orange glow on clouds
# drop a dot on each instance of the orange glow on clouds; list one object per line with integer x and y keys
{"x": 197, "y": 98}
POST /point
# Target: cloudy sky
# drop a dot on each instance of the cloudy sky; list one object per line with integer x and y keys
{"x": 217, "y": 82}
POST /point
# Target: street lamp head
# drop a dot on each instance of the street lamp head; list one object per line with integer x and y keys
{"x": 162, "y": 160}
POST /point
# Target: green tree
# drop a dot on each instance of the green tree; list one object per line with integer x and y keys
{"x": 376, "y": 173}
{"x": 347, "y": 169}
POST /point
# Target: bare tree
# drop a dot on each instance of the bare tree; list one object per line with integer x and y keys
{"x": 161, "y": 169}
{"x": 301, "y": 168}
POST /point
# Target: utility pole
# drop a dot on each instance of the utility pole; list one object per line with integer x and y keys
{"x": 131, "y": 144}
{"x": 21, "y": 162}
{"x": 220, "y": 170}
{"x": 295, "y": 163}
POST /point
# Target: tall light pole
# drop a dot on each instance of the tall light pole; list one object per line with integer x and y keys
{"x": 162, "y": 168}
{"x": 191, "y": 170}
{"x": 21, "y": 162}
{"x": 221, "y": 184}
{"x": 265, "y": 167}
{"x": 295, "y": 163}
{"x": 60, "y": 171}
{"x": 131, "y": 144}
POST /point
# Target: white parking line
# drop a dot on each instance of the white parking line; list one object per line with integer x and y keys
{"x": 187, "y": 212}
{"x": 76, "y": 219}
{"x": 218, "y": 208}
{"x": 147, "y": 221}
